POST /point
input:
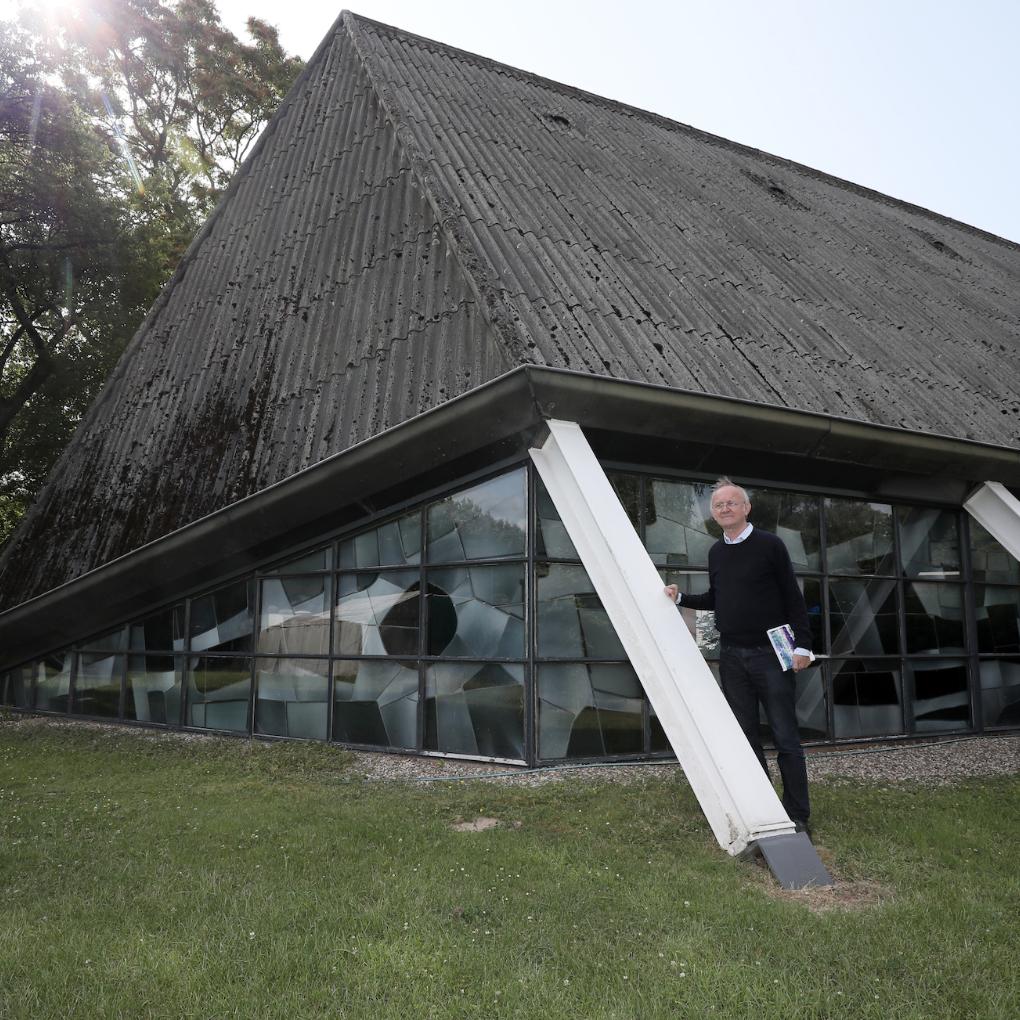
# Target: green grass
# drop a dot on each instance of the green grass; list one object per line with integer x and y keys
{"x": 143, "y": 876}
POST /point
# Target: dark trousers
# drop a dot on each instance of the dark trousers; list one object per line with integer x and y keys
{"x": 750, "y": 675}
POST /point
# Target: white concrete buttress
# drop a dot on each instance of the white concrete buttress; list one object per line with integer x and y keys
{"x": 997, "y": 510}
{"x": 738, "y": 800}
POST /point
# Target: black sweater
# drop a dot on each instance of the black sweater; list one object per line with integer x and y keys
{"x": 752, "y": 589}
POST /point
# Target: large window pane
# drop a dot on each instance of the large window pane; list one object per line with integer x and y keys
{"x": 486, "y": 521}
{"x": 572, "y": 622}
{"x": 989, "y": 560}
{"x": 552, "y": 538}
{"x": 376, "y": 702}
{"x": 941, "y": 697}
{"x": 862, "y": 614}
{"x": 934, "y": 618}
{"x": 97, "y": 684}
{"x": 795, "y": 519}
{"x": 679, "y": 529}
{"x": 394, "y": 544}
{"x": 859, "y": 537}
{"x": 160, "y": 632}
{"x": 218, "y": 693}
{"x": 1000, "y": 691}
{"x": 998, "y": 618}
{"x": 222, "y": 621}
{"x": 377, "y": 613}
{"x": 700, "y": 623}
{"x": 867, "y": 698}
{"x": 475, "y": 708}
{"x": 52, "y": 682}
{"x": 153, "y": 692}
{"x": 476, "y": 611}
{"x": 929, "y": 542}
{"x": 588, "y": 710}
{"x": 291, "y": 697}
{"x": 294, "y": 616}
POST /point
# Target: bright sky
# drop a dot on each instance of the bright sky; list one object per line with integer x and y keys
{"x": 919, "y": 99}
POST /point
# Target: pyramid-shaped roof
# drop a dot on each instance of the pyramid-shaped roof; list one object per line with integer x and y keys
{"x": 417, "y": 221}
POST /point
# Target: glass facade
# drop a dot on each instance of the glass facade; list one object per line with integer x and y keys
{"x": 467, "y": 625}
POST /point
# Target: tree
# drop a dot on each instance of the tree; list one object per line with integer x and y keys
{"x": 119, "y": 130}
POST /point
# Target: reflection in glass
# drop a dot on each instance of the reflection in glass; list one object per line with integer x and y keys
{"x": 867, "y": 698}
{"x": 377, "y": 613}
{"x": 476, "y": 611}
{"x": 153, "y": 692}
{"x": 318, "y": 560}
{"x": 700, "y": 623}
{"x": 218, "y": 692}
{"x": 1000, "y": 691}
{"x": 394, "y": 544}
{"x": 934, "y": 617}
{"x": 859, "y": 537}
{"x": 97, "y": 684}
{"x": 114, "y": 641}
{"x": 375, "y": 702}
{"x": 222, "y": 620}
{"x": 291, "y": 697}
{"x": 794, "y": 518}
{"x": 475, "y": 708}
{"x": 862, "y": 614}
{"x": 941, "y": 698}
{"x": 294, "y": 616}
{"x": 572, "y": 622}
{"x": 628, "y": 491}
{"x": 552, "y": 538}
{"x": 483, "y": 522}
{"x": 679, "y": 529}
{"x": 989, "y": 561}
{"x": 998, "y": 618}
{"x": 587, "y": 710}
{"x": 929, "y": 542}
{"x": 52, "y": 682}
{"x": 16, "y": 687}
{"x": 160, "y": 632}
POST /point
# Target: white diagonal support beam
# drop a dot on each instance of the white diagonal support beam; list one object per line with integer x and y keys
{"x": 733, "y": 791}
{"x": 997, "y": 510}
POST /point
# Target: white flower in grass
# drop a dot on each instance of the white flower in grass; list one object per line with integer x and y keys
{"x": 251, "y": 935}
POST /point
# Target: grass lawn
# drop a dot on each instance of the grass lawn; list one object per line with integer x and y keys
{"x": 147, "y": 876}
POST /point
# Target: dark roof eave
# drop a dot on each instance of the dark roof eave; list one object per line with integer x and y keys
{"x": 505, "y": 411}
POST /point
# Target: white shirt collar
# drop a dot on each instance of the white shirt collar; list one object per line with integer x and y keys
{"x": 740, "y": 538}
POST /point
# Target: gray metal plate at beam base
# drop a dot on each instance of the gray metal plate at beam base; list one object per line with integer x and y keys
{"x": 793, "y": 861}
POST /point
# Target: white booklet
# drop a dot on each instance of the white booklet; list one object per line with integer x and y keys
{"x": 783, "y": 645}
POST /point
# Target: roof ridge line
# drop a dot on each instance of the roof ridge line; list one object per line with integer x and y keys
{"x": 498, "y": 310}
{"x": 668, "y": 122}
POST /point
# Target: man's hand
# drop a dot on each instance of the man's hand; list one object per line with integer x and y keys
{"x": 672, "y": 591}
{"x": 801, "y": 662}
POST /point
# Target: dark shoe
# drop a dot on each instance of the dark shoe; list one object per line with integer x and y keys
{"x": 801, "y": 826}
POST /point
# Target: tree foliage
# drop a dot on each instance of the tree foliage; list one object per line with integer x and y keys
{"x": 120, "y": 127}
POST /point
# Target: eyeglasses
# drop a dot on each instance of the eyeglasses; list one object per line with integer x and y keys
{"x": 730, "y": 504}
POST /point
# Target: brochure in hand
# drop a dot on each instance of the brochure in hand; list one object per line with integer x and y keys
{"x": 783, "y": 644}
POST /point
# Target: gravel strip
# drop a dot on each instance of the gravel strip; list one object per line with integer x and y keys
{"x": 927, "y": 763}
{"x": 930, "y": 763}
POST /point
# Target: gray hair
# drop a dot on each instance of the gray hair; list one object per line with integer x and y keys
{"x": 724, "y": 482}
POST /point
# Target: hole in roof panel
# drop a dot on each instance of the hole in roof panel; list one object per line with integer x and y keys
{"x": 556, "y": 119}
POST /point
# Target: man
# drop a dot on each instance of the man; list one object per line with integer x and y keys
{"x": 752, "y": 589}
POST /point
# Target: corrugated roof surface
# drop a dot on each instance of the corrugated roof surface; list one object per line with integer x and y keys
{"x": 417, "y": 220}
{"x": 641, "y": 248}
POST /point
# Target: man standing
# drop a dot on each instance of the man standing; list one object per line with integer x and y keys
{"x": 752, "y": 589}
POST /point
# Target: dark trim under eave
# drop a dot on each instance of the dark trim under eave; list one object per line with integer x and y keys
{"x": 494, "y": 421}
